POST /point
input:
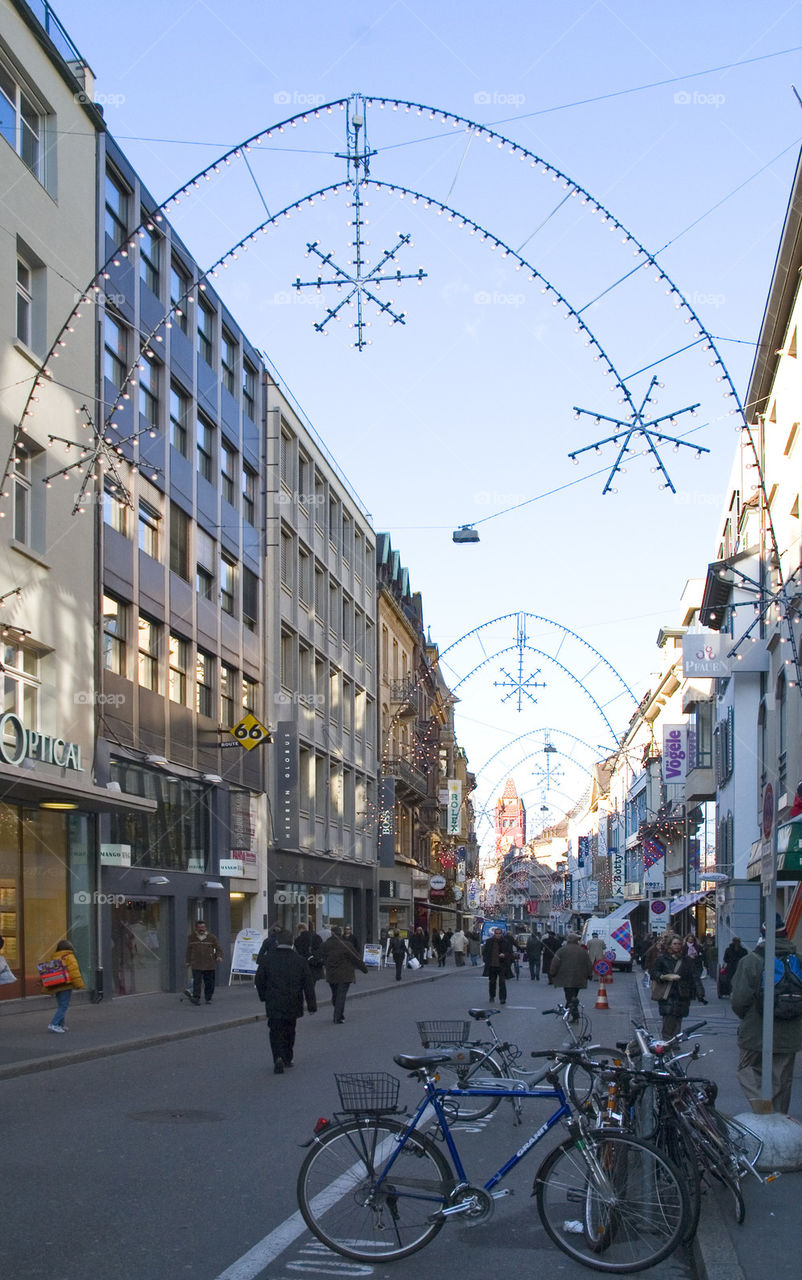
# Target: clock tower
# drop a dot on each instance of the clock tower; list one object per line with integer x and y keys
{"x": 510, "y": 820}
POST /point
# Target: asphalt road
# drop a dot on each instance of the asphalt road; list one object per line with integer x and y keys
{"x": 181, "y": 1159}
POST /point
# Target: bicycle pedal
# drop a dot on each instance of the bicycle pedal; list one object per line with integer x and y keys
{"x": 505, "y": 1191}
{"x": 772, "y": 1177}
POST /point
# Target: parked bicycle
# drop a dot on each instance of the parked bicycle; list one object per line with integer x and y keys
{"x": 376, "y": 1188}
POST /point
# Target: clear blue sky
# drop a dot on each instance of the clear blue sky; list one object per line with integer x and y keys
{"x": 679, "y": 119}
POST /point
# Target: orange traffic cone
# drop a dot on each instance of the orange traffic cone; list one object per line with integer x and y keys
{"x": 601, "y": 999}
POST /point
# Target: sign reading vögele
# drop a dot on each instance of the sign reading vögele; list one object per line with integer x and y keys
{"x": 29, "y": 745}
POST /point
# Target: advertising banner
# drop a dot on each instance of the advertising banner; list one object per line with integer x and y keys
{"x": 387, "y": 822}
{"x": 454, "y": 806}
{"x": 705, "y": 654}
{"x": 618, "y": 864}
{"x": 286, "y": 816}
{"x": 654, "y": 866}
{"x": 675, "y": 752}
{"x": 246, "y": 949}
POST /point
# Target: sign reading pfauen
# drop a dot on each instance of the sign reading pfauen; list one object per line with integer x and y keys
{"x": 675, "y": 752}
{"x": 18, "y": 743}
{"x": 705, "y": 654}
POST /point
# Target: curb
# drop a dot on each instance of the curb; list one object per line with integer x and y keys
{"x": 32, "y": 1066}
{"x": 714, "y": 1256}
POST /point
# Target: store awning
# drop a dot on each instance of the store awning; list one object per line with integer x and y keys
{"x": 19, "y": 785}
{"x": 755, "y": 859}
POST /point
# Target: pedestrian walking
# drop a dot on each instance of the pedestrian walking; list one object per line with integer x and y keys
{"x": 474, "y": 946}
{"x": 459, "y": 945}
{"x": 440, "y": 947}
{"x": 596, "y": 949}
{"x": 397, "y": 948}
{"x": 65, "y": 954}
{"x": 204, "y": 953}
{"x": 308, "y": 943}
{"x": 571, "y": 969}
{"x": 283, "y": 981}
{"x": 551, "y": 945}
{"x": 747, "y": 989}
{"x": 534, "y": 950}
{"x": 340, "y": 961}
{"x": 693, "y": 951}
{"x": 497, "y": 955}
{"x": 673, "y": 970}
{"x": 733, "y": 955}
{"x": 417, "y": 945}
{"x": 350, "y": 937}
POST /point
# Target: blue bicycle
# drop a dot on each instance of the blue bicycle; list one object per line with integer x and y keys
{"x": 376, "y": 1188}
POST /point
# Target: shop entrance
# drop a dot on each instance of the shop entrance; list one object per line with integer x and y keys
{"x": 140, "y": 946}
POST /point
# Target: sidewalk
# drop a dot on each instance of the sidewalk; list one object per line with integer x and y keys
{"x": 764, "y": 1243}
{"x": 137, "y": 1022}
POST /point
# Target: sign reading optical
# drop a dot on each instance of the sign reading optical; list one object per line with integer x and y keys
{"x": 250, "y": 732}
{"x": 29, "y": 745}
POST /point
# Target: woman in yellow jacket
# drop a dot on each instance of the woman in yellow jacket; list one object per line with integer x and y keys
{"x": 64, "y": 952}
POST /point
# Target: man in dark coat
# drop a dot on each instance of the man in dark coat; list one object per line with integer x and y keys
{"x": 497, "y": 954}
{"x": 340, "y": 960}
{"x": 534, "y": 947}
{"x": 787, "y": 1033}
{"x": 571, "y": 969}
{"x": 283, "y": 980}
{"x": 551, "y": 945}
{"x": 307, "y": 944}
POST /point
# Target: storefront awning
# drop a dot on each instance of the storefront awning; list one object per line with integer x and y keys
{"x": 19, "y": 785}
{"x": 755, "y": 859}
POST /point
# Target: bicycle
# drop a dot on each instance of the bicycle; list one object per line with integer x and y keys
{"x": 375, "y": 1188}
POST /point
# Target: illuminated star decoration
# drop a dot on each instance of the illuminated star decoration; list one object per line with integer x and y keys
{"x": 520, "y": 684}
{"x": 636, "y": 425}
{"x": 360, "y": 281}
{"x": 98, "y": 456}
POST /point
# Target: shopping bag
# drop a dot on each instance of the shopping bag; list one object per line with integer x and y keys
{"x": 52, "y": 973}
{"x": 413, "y": 963}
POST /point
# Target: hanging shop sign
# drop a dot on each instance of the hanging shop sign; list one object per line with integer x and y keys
{"x": 115, "y": 855}
{"x": 675, "y": 752}
{"x": 29, "y": 745}
{"x": 232, "y": 868}
{"x": 438, "y": 883}
{"x": 705, "y": 654}
{"x": 454, "y": 806}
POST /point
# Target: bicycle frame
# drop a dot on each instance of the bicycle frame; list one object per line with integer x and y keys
{"x": 433, "y": 1099}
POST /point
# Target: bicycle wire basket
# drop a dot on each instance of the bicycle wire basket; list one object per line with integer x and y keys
{"x": 367, "y": 1091}
{"x": 442, "y": 1032}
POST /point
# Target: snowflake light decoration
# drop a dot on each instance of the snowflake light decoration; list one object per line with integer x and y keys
{"x": 639, "y": 425}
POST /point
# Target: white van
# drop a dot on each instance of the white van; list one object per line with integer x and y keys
{"x": 604, "y": 925}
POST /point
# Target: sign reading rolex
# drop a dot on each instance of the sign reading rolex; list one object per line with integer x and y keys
{"x": 18, "y": 743}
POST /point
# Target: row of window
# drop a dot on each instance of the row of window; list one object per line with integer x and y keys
{"x": 319, "y": 592}
{"x": 302, "y": 481}
{"x": 236, "y": 370}
{"x": 167, "y": 663}
{"x": 333, "y": 793}
{"x": 218, "y": 577}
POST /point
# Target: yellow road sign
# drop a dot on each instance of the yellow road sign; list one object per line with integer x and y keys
{"x": 250, "y": 732}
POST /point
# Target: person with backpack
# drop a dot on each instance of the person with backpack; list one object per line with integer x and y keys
{"x": 747, "y": 1003}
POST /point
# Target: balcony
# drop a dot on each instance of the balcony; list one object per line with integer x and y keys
{"x": 404, "y": 696}
{"x": 407, "y": 778}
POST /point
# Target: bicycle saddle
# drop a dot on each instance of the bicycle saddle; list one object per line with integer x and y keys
{"x": 479, "y": 1014}
{"x": 411, "y": 1061}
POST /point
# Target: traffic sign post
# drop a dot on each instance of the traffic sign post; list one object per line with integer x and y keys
{"x": 768, "y": 865}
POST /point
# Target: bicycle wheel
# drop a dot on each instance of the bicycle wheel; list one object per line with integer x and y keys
{"x": 672, "y": 1139}
{"x": 612, "y": 1202}
{"x": 466, "y": 1075}
{"x": 583, "y": 1085}
{"x": 720, "y": 1159}
{"x": 348, "y": 1205}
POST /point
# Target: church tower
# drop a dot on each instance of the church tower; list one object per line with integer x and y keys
{"x": 510, "y": 820}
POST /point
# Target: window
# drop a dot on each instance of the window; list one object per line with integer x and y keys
{"x": 179, "y": 542}
{"x": 179, "y": 665}
{"x": 205, "y": 448}
{"x": 20, "y": 122}
{"x": 115, "y": 355}
{"x": 22, "y": 496}
{"x": 228, "y": 695}
{"x": 249, "y": 389}
{"x": 149, "y": 536}
{"x": 249, "y": 695}
{"x": 206, "y": 559}
{"x": 115, "y": 615}
{"x": 304, "y": 577}
{"x": 305, "y": 494}
{"x": 150, "y": 250}
{"x": 21, "y": 684}
{"x": 287, "y": 459}
{"x": 228, "y": 362}
{"x": 117, "y": 201}
{"x": 204, "y": 689}
{"x": 205, "y": 332}
{"x": 249, "y": 495}
{"x": 115, "y": 512}
{"x": 148, "y": 373}
{"x": 228, "y": 585}
{"x": 148, "y": 657}
{"x": 228, "y": 473}
{"x": 180, "y": 284}
{"x": 250, "y": 598}
{"x": 320, "y": 594}
{"x": 286, "y": 560}
{"x": 24, "y": 301}
{"x": 179, "y": 419}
